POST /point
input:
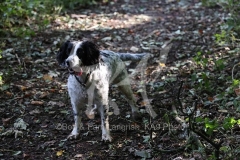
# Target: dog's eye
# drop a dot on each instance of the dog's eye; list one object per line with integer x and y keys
{"x": 69, "y": 50}
{"x": 80, "y": 52}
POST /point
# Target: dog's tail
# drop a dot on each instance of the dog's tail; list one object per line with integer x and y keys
{"x": 131, "y": 56}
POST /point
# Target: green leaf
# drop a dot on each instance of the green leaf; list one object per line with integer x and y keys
{"x": 229, "y": 123}
{"x": 224, "y": 148}
{"x": 238, "y": 121}
{"x": 210, "y": 125}
{"x": 220, "y": 64}
{"x": 199, "y": 120}
{"x": 235, "y": 82}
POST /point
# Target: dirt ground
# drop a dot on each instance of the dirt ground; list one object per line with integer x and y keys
{"x": 35, "y": 108}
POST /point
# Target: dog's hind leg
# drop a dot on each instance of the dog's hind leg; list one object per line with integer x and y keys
{"x": 127, "y": 91}
{"x": 123, "y": 83}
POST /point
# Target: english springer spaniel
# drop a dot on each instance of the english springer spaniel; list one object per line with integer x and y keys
{"x": 91, "y": 72}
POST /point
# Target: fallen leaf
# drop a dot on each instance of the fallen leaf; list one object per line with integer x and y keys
{"x": 35, "y": 111}
{"x": 210, "y": 99}
{"x": 162, "y": 65}
{"x": 21, "y": 87}
{"x": 110, "y": 113}
{"x": 130, "y": 31}
{"x": 48, "y": 144}
{"x": 16, "y": 153}
{"x": 52, "y": 103}
{"x": 28, "y": 94}
{"x": 43, "y": 95}
{"x": 59, "y": 153}
{"x": 52, "y": 90}
{"x": 20, "y": 124}
{"x": 143, "y": 153}
{"x": 223, "y": 110}
{"x": 45, "y": 126}
{"x": 18, "y": 133}
{"x": 134, "y": 49}
{"x": 37, "y": 102}
{"x": 26, "y": 156}
{"x": 107, "y": 39}
{"x": 9, "y": 94}
{"x": 53, "y": 73}
{"x": 237, "y": 91}
{"x": 146, "y": 138}
{"x": 143, "y": 103}
{"x": 47, "y": 77}
{"x": 6, "y": 121}
{"x": 78, "y": 156}
{"x": 200, "y": 31}
{"x": 40, "y": 61}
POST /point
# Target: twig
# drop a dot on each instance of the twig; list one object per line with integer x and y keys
{"x": 233, "y": 69}
{"x": 19, "y": 61}
{"x": 192, "y": 128}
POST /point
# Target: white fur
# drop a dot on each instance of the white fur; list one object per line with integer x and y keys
{"x": 95, "y": 93}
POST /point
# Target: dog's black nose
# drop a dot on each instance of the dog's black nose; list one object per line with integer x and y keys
{"x": 67, "y": 63}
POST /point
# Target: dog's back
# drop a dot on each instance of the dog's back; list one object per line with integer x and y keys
{"x": 124, "y": 56}
{"x": 115, "y": 63}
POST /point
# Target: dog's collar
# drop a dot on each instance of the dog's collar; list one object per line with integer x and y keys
{"x": 76, "y": 74}
{"x": 72, "y": 72}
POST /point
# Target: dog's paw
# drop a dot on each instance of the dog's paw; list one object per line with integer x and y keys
{"x": 106, "y": 137}
{"x": 73, "y": 135}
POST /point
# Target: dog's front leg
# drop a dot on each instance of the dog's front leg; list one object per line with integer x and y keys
{"x": 103, "y": 110}
{"x": 77, "y": 96}
{"x": 77, "y": 122}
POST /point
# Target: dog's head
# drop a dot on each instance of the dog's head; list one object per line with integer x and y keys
{"x": 76, "y": 54}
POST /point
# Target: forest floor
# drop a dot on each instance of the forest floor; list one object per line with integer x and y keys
{"x": 35, "y": 108}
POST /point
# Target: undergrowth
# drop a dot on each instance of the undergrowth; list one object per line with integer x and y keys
{"x": 24, "y": 18}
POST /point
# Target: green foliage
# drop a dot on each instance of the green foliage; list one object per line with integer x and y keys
{"x": 229, "y": 122}
{"x": 221, "y": 37}
{"x": 210, "y": 3}
{"x": 200, "y": 59}
{"x": 71, "y": 4}
{"x": 231, "y": 29}
{"x": 1, "y": 80}
{"x": 20, "y": 17}
{"x": 23, "y": 18}
{"x": 235, "y": 83}
{"x": 213, "y": 125}
{"x": 210, "y": 126}
{"x": 219, "y": 64}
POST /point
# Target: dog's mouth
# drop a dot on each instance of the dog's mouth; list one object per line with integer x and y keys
{"x": 71, "y": 71}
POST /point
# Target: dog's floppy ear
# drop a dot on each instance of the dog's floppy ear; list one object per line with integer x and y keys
{"x": 88, "y": 53}
{"x": 64, "y": 52}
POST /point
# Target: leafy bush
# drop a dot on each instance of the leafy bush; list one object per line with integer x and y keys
{"x": 231, "y": 29}
{"x": 23, "y": 18}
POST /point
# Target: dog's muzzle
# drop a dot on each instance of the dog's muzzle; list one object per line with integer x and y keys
{"x": 67, "y": 63}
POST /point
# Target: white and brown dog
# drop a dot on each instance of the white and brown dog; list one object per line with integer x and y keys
{"x": 92, "y": 71}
